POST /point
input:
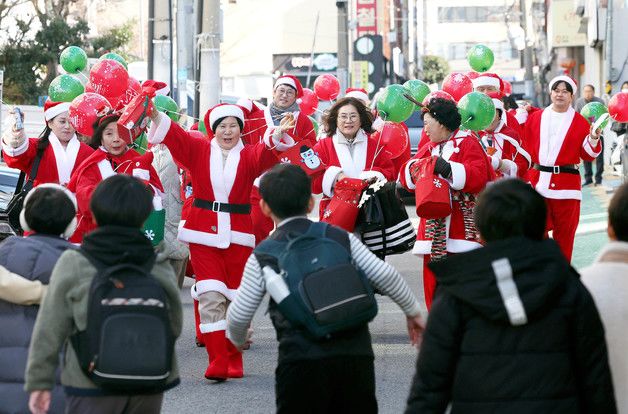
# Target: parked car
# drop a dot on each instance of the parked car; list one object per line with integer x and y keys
{"x": 9, "y": 183}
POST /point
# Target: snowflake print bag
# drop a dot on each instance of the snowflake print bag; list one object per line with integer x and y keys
{"x": 155, "y": 224}
{"x": 432, "y": 195}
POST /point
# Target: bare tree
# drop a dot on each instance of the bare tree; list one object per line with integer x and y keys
{"x": 48, "y": 10}
{"x": 6, "y": 6}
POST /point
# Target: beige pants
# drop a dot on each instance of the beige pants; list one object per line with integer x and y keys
{"x": 212, "y": 307}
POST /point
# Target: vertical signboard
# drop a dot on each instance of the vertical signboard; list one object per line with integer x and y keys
{"x": 366, "y": 16}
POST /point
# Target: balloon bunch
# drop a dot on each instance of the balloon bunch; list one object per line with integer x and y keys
{"x": 618, "y": 107}
{"x": 107, "y": 87}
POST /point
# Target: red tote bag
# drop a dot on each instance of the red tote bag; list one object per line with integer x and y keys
{"x": 433, "y": 199}
{"x": 342, "y": 210}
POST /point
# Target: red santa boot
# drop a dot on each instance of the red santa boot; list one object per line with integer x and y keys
{"x": 216, "y": 346}
{"x": 197, "y": 323}
{"x": 236, "y": 369}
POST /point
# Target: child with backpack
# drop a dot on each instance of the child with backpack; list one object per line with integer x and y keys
{"x": 321, "y": 282}
{"x": 114, "y": 308}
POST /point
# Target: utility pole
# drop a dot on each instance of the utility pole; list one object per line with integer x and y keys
{"x": 151, "y": 34}
{"x": 160, "y": 46}
{"x": 343, "y": 45}
{"x": 527, "y": 55}
{"x": 185, "y": 50}
{"x": 208, "y": 43}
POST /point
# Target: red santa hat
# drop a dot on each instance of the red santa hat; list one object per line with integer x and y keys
{"x": 358, "y": 93}
{"x": 246, "y": 104}
{"x": 221, "y": 111}
{"x": 52, "y": 109}
{"x": 564, "y": 78}
{"x": 488, "y": 79}
{"x": 291, "y": 81}
{"x": 498, "y": 104}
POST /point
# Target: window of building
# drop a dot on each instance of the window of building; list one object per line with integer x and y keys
{"x": 471, "y": 14}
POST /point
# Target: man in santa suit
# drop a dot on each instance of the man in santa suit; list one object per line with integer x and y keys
{"x": 492, "y": 85}
{"x": 557, "y": 138}
{"x": 218, "y": 226}
{"x": 59, "y": 149}
{"x": 282, "y": 121}
{"x": 503, "y": 147}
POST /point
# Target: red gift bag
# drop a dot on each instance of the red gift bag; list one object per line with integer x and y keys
{"x": 303, "y": 155}
{"x": 134, "y": 119}
{"x": 433, "y": 199}
{"x": 342, "y": 210}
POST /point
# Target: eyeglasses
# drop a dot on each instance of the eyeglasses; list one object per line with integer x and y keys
{"x": 286, "y": 91}
{"x": 346, "y": 117}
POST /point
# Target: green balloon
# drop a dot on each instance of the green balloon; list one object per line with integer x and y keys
{"x": 418, "y": 89}
{"x": 393, "y": 105}
{"x": 476, "y": 110}
{"x": 315, "y": 124}
{"x": 141, "y": 143}
{"x": 64, "y": 88}
{"x": 480, "y": 58}
{"x": 73, "y": 59}
{"x": 168, "y": 106}
{"x": 116, "y": 57}
{"x": 592, "y": 111}
{"x": 201, "y": 127}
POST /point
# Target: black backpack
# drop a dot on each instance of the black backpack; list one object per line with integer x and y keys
{"x": 128, "y": 344}
{"x": 328, "y": 293}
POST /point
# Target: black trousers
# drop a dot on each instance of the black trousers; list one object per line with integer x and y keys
{"x": 333, "y": 385}
{"x": 599, "y": 167}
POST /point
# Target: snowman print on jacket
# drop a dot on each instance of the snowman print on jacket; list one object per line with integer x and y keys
{"x": 309, "y": 157}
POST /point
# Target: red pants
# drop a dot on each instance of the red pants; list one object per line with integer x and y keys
{"x": 224, "y": 265}
{"x": 262, "y": 225}
{"x": 429, "y": 282}
{"x": 563, "y": 217}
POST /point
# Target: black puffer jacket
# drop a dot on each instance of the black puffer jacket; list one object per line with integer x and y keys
{"x": 546, "y": 355}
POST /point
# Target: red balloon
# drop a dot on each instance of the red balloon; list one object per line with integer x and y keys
{"x": 618, "y": 107}
{"x": 395, "y": 138}
{"x": 457, "y": 85}
{"x": 472, "y": 75}
{"x": 85, "y": 109}
{"x": 109, "y": 78}
{"x": 133, "y": 89}
{"x": 89, "y": 87}
{"x": 437, "y": 94}
{"x": 507, "y": 88}
{"x": 326, "y": 87}
{"x": 309, "y": 102}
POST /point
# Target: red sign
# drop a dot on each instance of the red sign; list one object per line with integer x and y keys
{"x": 366, "y": 15}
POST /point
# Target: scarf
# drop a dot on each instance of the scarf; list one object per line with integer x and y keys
{"x": 277, "y": 114}
{"x": 111, "y": 245}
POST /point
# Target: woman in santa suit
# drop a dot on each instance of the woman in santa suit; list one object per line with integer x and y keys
{"x": 111, "y": 156}
{"x": 281, "y": 121}
{"x": 503, "y": 146}
{"x": 218, "y": 227}
{"x": 349, "y": 150}
{"x": 59, "y": 149}
{"x": 557, "y": 138}
{"x": 464, "y": 164}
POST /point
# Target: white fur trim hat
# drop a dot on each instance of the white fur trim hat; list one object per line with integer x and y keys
{"x": 221, "y": 111}
{"x": 488, "y": 79}
{"x": 498, "y": 104}
{"x": 52, "y": 109}
{"x": 564, "y": 78}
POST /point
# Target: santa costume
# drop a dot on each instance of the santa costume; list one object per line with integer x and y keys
{"x": 361, "y": 158}
{"x": 492, "y": 79}
{"x": 57, "y": 163}
{"x": 261, "y": 126}
{"x": 556, "y": 142}
{"x": 456, "y": 233}
{"x": 504, "y": 149}
{"x": 218, "y": 225}
{"x": 101, "y": 165}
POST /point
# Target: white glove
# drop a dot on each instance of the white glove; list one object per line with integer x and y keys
{"x": 508, "y": 167}
{"x": 14, "y": 139}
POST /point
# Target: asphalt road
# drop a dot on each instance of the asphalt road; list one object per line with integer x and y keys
{"x": 394, "y": 357}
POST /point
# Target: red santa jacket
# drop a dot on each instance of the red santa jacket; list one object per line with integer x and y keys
{"x": 97, "y": 167}
{"x": 504, "y": 145}
{"x": 231, "y": 184}
{"x": 57, "y": 164}
{"x": 569, "y": 145}
{"x": 369, "y": 160}
{"x": 470, "y": 172}
{"x": 262, "y": 129}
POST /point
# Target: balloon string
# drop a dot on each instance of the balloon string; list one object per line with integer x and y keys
{"x": 378, "y": 150}
{"x": 83, "y": 75}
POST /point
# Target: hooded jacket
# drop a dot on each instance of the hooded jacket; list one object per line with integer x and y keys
{"x": 64, "y": 311}
{"x": 512, "y": 330}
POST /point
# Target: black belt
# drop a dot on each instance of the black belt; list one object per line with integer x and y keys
{"x": 222, "y": 207}
{"x": 557, "y": 169}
